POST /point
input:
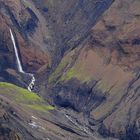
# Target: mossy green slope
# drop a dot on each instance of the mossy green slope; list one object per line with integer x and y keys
{"x": 68, "y": 68}
{"x": 23, "y": 97}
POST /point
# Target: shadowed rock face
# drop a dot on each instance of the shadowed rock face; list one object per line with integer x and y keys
{"x": 80, "y": 97}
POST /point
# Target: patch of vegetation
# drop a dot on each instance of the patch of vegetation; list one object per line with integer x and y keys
{"x": 42, "y": 108}
{"x": 64, "y": 72}
{"x": 76, "y": 72}
{"x": 23, "y": 97}
{"x": 19, "y": 94}
{"x": 28, "y": 96}
{"x": 58, "y": 70}
{"x": 70, "y": 74}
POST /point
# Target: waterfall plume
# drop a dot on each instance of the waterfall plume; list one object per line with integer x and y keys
{"x": 19, "y": 66}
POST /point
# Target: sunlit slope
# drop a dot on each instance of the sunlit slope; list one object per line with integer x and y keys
{"x": 23, "y": 97}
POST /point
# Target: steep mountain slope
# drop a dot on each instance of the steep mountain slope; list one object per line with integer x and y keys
{"x": 41, "y": 27}
{"x": 26, "y": 116}
{"x": 101, "y": 78}
{"x": 85, "y": 55}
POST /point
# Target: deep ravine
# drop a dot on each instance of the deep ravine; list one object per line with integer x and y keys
{"x": 19, "y": 66}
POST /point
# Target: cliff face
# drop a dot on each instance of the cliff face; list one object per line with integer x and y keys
{"x": 23, "y": 21}
{"x": 45, "y": 30}
{"x": 101, "y": 78}
{"x": 86, "y": 59}
{"x": 70, "y": 21}
{"x": 43, "y": 26}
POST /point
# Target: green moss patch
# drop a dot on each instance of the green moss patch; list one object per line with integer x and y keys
{"x": 70, "y": 74}
{"x": 76, "y": 72}
{"x": 23, "y": 97}
{"x": 43, "y": 108}
{"x": 59, "y": 69}
{"x": 62, "y": 73}
{"x": 18, "y": 94}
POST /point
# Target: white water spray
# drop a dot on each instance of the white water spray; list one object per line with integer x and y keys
{"x": 20, "y": 69}
{"x": 31, "y": 85}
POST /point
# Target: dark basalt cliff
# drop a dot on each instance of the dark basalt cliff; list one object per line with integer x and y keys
{"x": 85, "y": 55}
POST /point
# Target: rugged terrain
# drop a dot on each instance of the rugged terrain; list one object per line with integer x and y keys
{"x": 26, "y": 116}
{"x": 86, "y": 59}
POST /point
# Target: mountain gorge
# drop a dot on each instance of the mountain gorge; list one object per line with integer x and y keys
{"x": 85, "y": 56}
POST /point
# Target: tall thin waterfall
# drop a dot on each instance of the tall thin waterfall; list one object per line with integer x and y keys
{"x": 20, "y": 69}
{"x": 16, "y": 53}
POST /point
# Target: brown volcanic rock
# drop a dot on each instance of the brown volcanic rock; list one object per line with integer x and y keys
{"x": 14, "y": 13}
{"x": 100, "y": 77}
{"x": 103, "y": 77}
{"x": 119, "y": 31}
{"x": 46, "y": 26}
{"x": 33, "y": 59}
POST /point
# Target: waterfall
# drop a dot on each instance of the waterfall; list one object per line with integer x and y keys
{"x": 31, "y": 85}
{"x": 19, "y": 66}
{"x": 16, "y": 53}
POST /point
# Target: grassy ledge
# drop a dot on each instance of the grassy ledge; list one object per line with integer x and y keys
{"x": 23, "y": 97}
